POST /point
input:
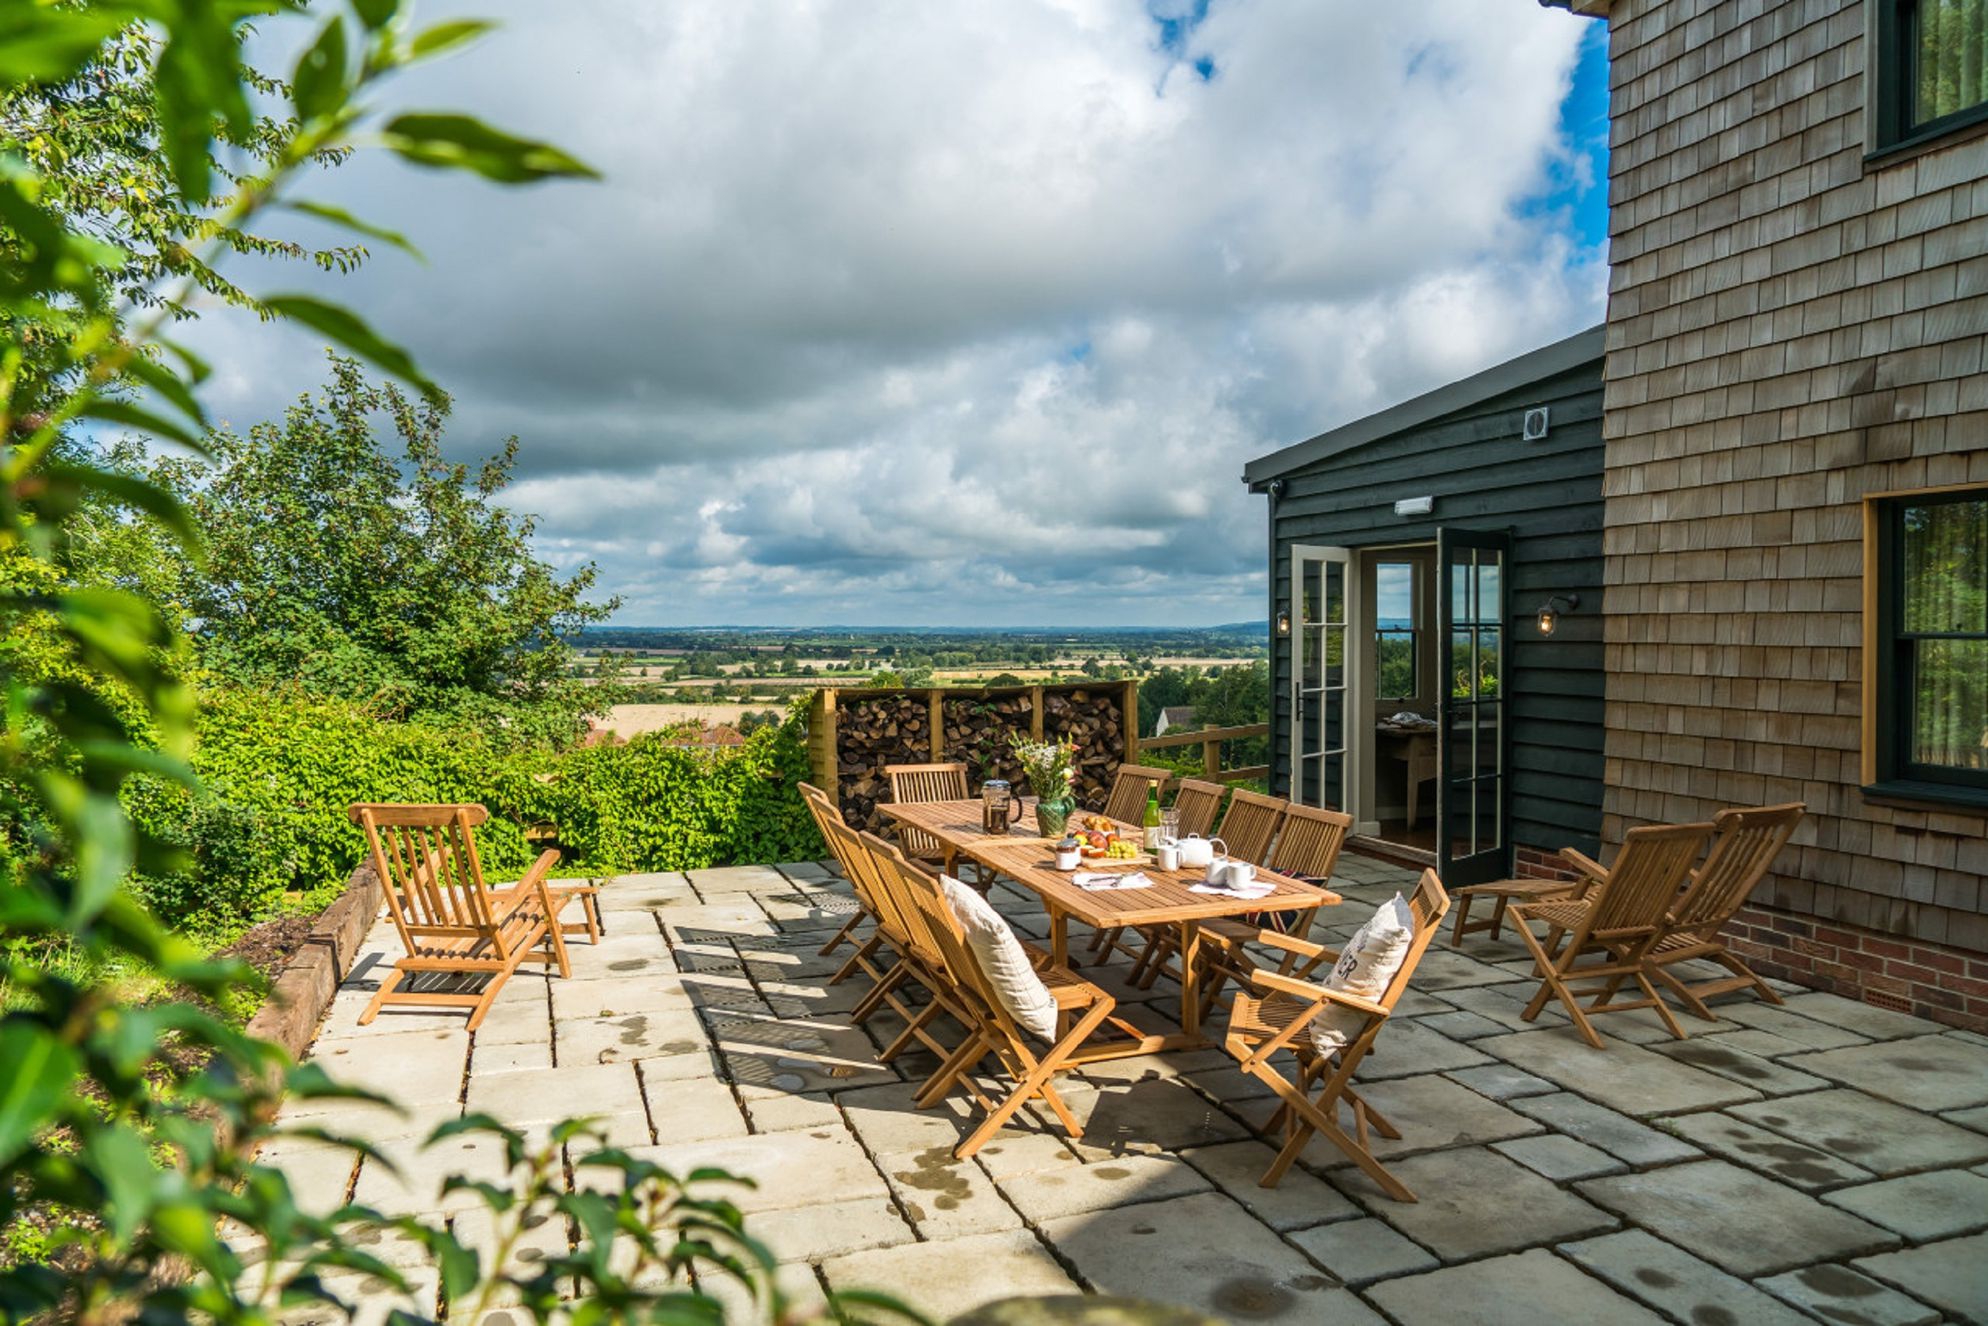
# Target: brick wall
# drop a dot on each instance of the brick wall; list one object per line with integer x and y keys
{"x": 1538, "y": 863}
{"x": 1931, "y": 980}
{"x": 1789, "y": 328}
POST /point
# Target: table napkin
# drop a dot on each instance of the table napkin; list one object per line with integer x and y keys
{"x": 1098, "y": 881}
{"x": 1254, "y": 891}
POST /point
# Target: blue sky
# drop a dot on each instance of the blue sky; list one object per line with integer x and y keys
{"x": 897, "y": 312}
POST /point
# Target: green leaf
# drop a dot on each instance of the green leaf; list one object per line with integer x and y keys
{"x": 43, "y": 45}
{"x": 167, "y": 383}
{"x": 461, "y": 142}
{"x": 317, "y": 85}
{"x": 338, "y": 216}
{"x": 375, "y": 14}
{"x": 121, "y": 1162}
{"x": 145, "y": 421}
{"x": 39, "y": 1071}
{"x": 445, "y": 37}
{"x": 344, "y": 328}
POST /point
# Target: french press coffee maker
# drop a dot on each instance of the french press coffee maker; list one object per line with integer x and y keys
{"x": 999, "y": 806}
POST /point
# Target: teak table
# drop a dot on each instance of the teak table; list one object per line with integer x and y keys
{"x": 1030, "y": 861}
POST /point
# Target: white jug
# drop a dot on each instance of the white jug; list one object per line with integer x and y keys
{"x": 1196, "y": 852}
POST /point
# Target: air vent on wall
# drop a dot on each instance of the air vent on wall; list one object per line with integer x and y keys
{"x": 1535, "y": 424}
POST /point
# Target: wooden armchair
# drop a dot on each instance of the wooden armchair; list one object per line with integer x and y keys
{"x": 1247, "y": 832}
{"x": 1277, "y": 1013}
{"x": 453, "y": 924}
{"x": 1597, "y": 943}
{"x": 1743, "y": 850}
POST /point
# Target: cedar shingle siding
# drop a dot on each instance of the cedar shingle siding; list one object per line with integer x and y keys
{"x": 1789, "y": 328}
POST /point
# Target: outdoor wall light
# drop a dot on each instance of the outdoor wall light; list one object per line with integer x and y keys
{"x": 1549, "y": 616}
{"x": 1284, "y": 624}
{"x": 1414, "y": 506}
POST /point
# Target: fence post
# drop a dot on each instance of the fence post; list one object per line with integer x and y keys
{"x": 1035, "y": 713}
{"x": 1211, "y": 757}
{"x": 935, "y": 706}
{"x": 1129, "y": 722}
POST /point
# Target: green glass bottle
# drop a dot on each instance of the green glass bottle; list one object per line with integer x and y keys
{"x": 1152, "y": 818}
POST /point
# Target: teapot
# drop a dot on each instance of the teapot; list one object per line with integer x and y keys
{"x": 1196, "y": 852}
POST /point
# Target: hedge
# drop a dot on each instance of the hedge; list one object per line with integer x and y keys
{"x": 269, "y": 825}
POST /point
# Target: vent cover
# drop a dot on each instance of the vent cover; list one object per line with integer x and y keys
{"x": 1535, "y": 424}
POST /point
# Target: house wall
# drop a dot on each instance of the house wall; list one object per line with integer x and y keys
{"x": 1484, "y": 477}
{"x": 1790, "y": 327}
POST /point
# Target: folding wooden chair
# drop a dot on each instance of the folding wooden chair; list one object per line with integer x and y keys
{"x": 1081, "y": 1009}
{"x": 910, "y": 783}
{"x": 1743, "y": 849}
{"x": 453, "y": 924}
{"x": 1614, "y": 925}
{"x": 1277, "y": 1014}
{"x": 1247, "y": 831}
{"x": 1308, "y": 847}
{"x": 1129, "y": 786}
{"x": 826, "y": 818}
{"x": 1194, "y": 805}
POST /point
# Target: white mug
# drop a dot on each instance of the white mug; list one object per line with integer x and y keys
{"x": 1169, "y": 854}
{"x": 1239, "y": 875}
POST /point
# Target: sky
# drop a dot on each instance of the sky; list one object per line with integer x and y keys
{"x": 891, "y": 312}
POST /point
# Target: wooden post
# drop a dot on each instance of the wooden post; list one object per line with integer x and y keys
{"x": 935, "y": 707}
{"x": 1035, "y": 713}
{"x": 827, "y": 759}
{"x": 1211, "y": 757}
{"x": 1128, "y": 722}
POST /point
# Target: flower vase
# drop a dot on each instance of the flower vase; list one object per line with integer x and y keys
{"x": 1052, "y": 814}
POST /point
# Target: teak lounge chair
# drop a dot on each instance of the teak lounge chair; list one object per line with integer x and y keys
{"x": 1745, "y": 845}
{"x": 452, "y": 923}
{"x": 1597, "y": 943}
{"x": 1277, "y": 1014}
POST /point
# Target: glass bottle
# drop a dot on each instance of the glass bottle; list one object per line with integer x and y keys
{"x": 1152, "y": 818}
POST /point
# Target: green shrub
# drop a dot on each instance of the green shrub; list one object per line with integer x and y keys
{"x": 283, "y": 769}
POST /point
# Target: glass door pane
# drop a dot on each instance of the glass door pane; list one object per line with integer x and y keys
{"x": 1319, "y": 675}
{"x": 1472, "y": 806}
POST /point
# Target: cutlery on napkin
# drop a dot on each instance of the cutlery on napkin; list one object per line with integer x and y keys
{"x": 1250, "y": 893}
{"x": 1098, "y": 881}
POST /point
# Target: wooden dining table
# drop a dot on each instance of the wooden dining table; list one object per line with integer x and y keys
{"x": 1028, "y": 859}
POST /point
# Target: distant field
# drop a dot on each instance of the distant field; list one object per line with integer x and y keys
{"x": 628, "y": 720}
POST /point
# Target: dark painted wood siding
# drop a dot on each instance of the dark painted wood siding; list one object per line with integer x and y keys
{"x": 1483, "y": 476}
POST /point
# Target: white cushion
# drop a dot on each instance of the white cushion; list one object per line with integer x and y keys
{"x": 1365, "y": 968}
{"x": 1003, "y": 960}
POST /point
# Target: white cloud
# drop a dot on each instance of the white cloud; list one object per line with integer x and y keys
{"x": 906, "y": 312}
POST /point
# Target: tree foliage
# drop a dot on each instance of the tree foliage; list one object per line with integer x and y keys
{"x": 355, "y": 572}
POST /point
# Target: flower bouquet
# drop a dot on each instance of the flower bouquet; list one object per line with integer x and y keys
{"x": 1050, "y": 768}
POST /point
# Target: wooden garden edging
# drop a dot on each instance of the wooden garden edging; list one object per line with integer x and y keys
{"x": 853, "y": 733}
{"x": 304, "y": 988}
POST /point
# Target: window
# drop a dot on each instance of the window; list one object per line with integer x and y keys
{"x": 1930, "y": 68}
{"x": 1396, "y": 640}
{"x": 1926, "y": 637}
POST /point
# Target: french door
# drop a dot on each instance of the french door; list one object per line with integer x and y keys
{"x": 1473, "y": 733}
{"x": 1323, "y": 671}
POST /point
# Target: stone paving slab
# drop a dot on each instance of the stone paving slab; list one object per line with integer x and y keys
{"x": 1524, "y": 1289}
{"x": 1559, "y": 1182}
{"x": 1736, "y": 1219}
{"x": 1198, "y": 1252}
{"x": 1673, "y": 1281}
{"x": 1924, "y": 1072}
{"x": 1951, "y": 1274}
{"x": 1874, "y": 1134}
{"x": 1472, "y": 1202}
{"x": 1626, "y": 1078}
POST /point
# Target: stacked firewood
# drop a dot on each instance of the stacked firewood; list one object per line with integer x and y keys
{"x": 871, "y": 733}
{"x": 977, "y": 730}
{"x": 1089, "y": 720}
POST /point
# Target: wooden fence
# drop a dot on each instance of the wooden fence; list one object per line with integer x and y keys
{"x": 1210, "y": 740}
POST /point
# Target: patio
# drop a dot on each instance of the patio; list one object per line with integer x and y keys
{"x": 1826, "y": 1159}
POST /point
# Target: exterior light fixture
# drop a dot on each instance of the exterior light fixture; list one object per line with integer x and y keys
{"x": 1284, "y": 624}
{"x": 1414, "y": 506}
{"x": 1549, "y": 616}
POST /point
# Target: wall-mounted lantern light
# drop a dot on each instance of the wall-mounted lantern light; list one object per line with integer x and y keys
{"x": 1549, "y": 616}
{"x": 1414, "y": 506}
{"x": 1284, "y": 624}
